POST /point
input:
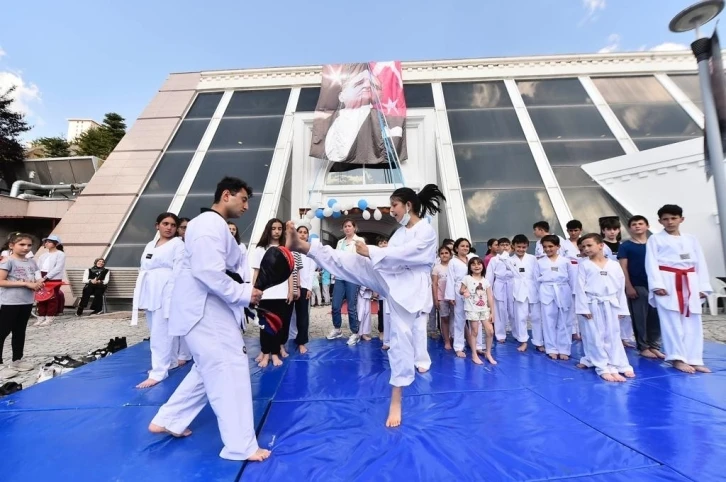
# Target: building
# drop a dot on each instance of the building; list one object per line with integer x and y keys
{"x": 76, "y": 127}
{"x": 505, "y": 138}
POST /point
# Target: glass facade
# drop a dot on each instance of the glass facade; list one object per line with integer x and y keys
{"x": 649, "y": 114}
{"x": 502, "y": 188}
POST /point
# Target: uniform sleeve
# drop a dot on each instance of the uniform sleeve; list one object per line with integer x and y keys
{"x": 207, "y": 258}
{"x": 572, "y": 273}
{"x": 414, "y": 253}
{"x": 56, "y": 271}
{"x": 704, "y": 280}
{"x": 177, "y": 257}
{"x": 489, "y": 275}
{"x": 622, "y": 300}
{"x": 581, "y": 307}
{"x": 655, "y": 278}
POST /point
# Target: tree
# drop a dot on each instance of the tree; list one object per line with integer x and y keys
{"x": 53, "y": 146}
{"x": 12, "y": 125}
{"x": 101, "y": 141}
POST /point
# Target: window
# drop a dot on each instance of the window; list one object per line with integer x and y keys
{"x": 416, "y": 95}
{"x": 501, "y": 185}
{"x": 573, "y": 133}
{"x": 690, "y": 86}
{"x": 647, "y": 111}
{"x": 346, "y": 174}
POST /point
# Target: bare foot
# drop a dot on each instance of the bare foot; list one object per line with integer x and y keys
{"x": 258, "y": 358}
{"x": 585, "y": 367}
{"x": 153, "y": 428}
{"x": 618, "y": 377}
{"x": 629, "y": 374}
{"x": 481, "y": 352}
{"x": 394, "y": 410}
{"x": 461, "y": 354}
{"x": 501, "y": 341}
{"x": 422, "y": 369}
{"x": 608, "y": 377}
{"x": 148, "y": 383}
{"x": 658, "y": 353}
{"x": 181, "y": 363}
{"x": 283, "y": 352}
{"x": 380, "y": 336}
{"x": 684, "y": 367}
{"x": 475, "y": 358}
{"x": 264, "y": 361}
{"x": 702, "y": 368}
{"x": 259, "y": 456}
{"x": 302, "y": 349}
{"x": 648, "y": 354}
{"x": 276, "y": 361}
{"x": 365, "y": 338}
{"x": 541, "y": 349}
{"x": 522, "y": 346}
{"x": 627, "y": 344}
{"x": 385, "y": 347}
{"x": 293, "y": 242}
{"x": 491, "y": 359}
{"x": 564, "y": 357}
{"x": 553, "y": 356}
{"x": 447, "y": 346}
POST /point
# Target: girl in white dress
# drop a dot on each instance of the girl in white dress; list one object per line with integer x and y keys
{"x": 153, "y": 294}
{"x": 479, "y": 308}
{"x": 458, "y": 268}
{"x": 401, "y": 273}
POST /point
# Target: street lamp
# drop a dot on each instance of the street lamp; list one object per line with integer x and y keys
{"x": 692, "y": 18}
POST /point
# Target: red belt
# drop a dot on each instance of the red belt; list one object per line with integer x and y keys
{"x": 681, "y": 274}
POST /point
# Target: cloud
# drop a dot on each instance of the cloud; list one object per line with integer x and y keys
{"x": 2, "y": 53}
{"x": 592, "y": 9}
{"x": 613, "y": 44}
{"x": 26, "y": 94}
{"x": 669, "y": 47}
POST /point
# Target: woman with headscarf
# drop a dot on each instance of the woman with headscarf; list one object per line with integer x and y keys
{"x": 95, "y": 281}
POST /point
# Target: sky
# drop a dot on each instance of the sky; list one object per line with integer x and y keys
{"x": 84, "y": 58}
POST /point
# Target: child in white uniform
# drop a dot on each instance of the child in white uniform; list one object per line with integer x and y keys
{"x": 401, "y": 273}
{"x": 500, "y": 275}
{"x": 478, "y": 298}
{"x": 556, "y": 276}
{"x": 600, "y": 299}
{"x": 678, "y": 281}
{"x": 365, "y": 295}
{"x": 526, "y": 295}
{"x": 572, "y": 250}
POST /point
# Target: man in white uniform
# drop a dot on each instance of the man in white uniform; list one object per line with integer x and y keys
{"x": 207, "y": 310}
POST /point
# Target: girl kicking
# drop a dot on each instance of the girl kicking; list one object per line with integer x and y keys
{"x": 477, "y": 294}
{"x": 401, "y": 273}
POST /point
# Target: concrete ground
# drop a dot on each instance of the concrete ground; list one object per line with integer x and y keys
{"x": 74, "y": 336}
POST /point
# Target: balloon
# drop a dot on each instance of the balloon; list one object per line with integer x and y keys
{"x": 310, "y": 214}
{"x": 362, "y": 205}
{"x": 346, "y": 212}
{"x": 327, "y": 212}
{"x": 372, "y": 205}
{"x": 337, "y": 214}
{"x": 314, "y": 236}
{"x": 319, "y": 213}
{"x": 331, "y": 202}
{"x": 377, "y": 215}
{"x": 366, "y": 215}
{"x": 336, "y": 207}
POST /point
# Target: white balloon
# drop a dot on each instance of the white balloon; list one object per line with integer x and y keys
{"x": 327, "y": 212}
{"x": 336, "y": 207}
{"x": 366, "y": 215}
{"x": 310, "y": 214}
{"x": 372, "y": 205}
{"x": 377, "y": 215}
{"x": 345, "y": 212}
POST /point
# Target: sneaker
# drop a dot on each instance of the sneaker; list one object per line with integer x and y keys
{"x": 21, "y": 366}
{"x": 6, "y": 373}
{"x": 10, "y": 387}
{"x": 66, "y": 361}
{"x": 335, "y": 333}
{"x": 39, "y": 321}
{"x": 48, "y": 320}
{"x": 353, "y": 339}
{"x": 46, "y": 372}
{"x": 79, "y": 311}
{"x": 96, "y": 312}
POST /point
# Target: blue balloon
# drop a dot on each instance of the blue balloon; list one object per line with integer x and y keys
{"x": 319, "y": 213}
{"x": 331, "y": 202}
{"x": 337, "y": 214}
{"x": 362, "y": 204}
{"x": 314, "y": 236}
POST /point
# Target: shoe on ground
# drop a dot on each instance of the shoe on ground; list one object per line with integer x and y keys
{"x": 6, "y": 372}
{"x": 79, "y": 311}
{"x": 46, "y": 372}
{"x": 335, "y": 334}
{"x": 48, "y": 320}
{"x": 96, "y": 312}
{"x": 353, "y": 339}
{"x": 39, "y": 320}
{"x": 10, "y": 387}
{"x": 21, "y": 366}
{"x": 66, "y": 361}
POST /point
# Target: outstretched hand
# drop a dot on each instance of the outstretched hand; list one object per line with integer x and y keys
{"x": 256, "y": 296}
{"x": 362, "y": 248}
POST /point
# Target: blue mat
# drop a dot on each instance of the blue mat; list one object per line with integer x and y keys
{"x": 322, "y": 414}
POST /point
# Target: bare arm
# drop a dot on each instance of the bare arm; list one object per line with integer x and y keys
{"x": 629, "y": 289}
{"x": 434, "y": 286}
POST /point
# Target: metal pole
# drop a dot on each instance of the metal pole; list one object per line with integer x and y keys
{"x": 702, "y": 50}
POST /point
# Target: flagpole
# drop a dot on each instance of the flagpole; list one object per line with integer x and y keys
{"x": 692, "y": 18}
